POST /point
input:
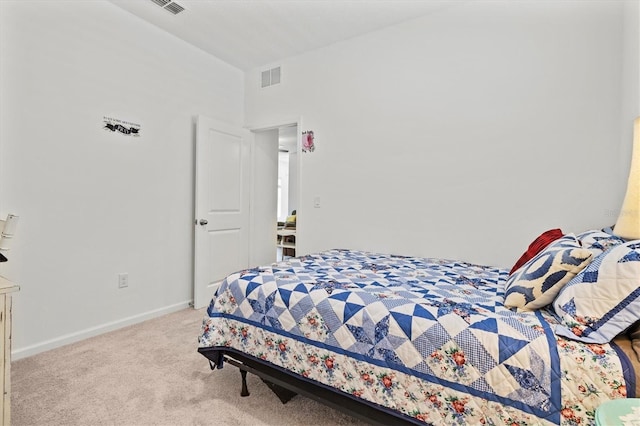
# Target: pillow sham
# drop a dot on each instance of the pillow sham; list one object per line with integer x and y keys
{"x": 599, "y": 241}
{"x": 537, "y": 282}
{"x": 542, "y": 241}
{"x": 604, "y": 299}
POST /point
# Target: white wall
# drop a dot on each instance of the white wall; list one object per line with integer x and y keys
{"x": 463, "y": 134}
{"x": 283, "y": 179}
{"x": 294, "y": 185}
{"x": 264, "y": 215}
{"x": 93, "y": 203}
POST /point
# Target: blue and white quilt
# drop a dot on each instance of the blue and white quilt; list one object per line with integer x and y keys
{"x": 428, "y": 338}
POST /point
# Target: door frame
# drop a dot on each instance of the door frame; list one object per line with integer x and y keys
{"x": 275, "y": 124}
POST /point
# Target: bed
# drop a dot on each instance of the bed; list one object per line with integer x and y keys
{"x": 397, "y": 339}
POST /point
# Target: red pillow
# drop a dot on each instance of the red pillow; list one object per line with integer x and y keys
{"x": 537, "y": 246}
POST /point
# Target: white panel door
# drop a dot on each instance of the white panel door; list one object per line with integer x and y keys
{"x": 221, "y": 204}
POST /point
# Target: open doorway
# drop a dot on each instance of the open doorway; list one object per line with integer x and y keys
{"x": 287, "y": 203}
{"x": 275, "y": 192}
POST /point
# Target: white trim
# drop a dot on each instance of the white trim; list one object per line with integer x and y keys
{"x": 252, "y": 200}
{"x": 300, "y": 224}
{"x": 95, "y": 331}
{"x": 274, "y": 124}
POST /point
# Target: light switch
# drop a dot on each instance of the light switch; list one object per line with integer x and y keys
{"x": 316, "y": 202}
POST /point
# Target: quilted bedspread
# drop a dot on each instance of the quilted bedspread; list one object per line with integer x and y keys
{"x": 429, "y": 338}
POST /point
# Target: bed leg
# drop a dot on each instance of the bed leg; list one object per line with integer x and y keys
{"x": 245, "y": 390}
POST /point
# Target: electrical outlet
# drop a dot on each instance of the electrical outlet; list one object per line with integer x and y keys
{"x": 123, "y": 280}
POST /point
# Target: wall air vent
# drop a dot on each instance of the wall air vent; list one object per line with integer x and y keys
{"x": 170, "y": 6}
{"x": 270, "y": 77}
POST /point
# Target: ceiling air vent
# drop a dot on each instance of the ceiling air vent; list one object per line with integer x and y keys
{"x": 174, "y": 8}
{"x": 170, "y": 6}
{"x": 270, "y": 77}
{"x": 161, "y": 3}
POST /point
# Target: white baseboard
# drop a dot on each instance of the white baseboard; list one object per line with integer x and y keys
{"x": 94, "y": 331}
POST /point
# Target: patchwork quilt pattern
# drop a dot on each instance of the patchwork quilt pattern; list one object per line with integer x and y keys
{"x": 430, "y": 338}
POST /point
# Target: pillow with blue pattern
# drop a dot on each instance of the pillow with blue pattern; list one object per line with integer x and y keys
{"x": 604, "y": 299}
{"x": 538, "y": 281}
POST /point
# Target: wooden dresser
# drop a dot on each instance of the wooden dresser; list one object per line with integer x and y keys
{"x": 6, "y": 288}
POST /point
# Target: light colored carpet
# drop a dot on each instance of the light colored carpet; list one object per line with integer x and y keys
{"x": 149, "y": 374}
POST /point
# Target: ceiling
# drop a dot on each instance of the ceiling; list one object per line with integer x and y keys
{"x": 251, "y": 33}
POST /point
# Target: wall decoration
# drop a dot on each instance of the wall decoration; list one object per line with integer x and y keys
{"x": 308, "y": 144}
{"x": 122, "y": 127}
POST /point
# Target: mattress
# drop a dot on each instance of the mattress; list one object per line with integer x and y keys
{"x": 428, "y": 338}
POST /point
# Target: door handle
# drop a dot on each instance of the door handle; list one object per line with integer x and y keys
{"x": 203, "y": 222}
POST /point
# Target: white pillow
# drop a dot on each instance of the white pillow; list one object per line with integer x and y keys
{"x": 604, "y": 299}
{"x": 599, "y": 241}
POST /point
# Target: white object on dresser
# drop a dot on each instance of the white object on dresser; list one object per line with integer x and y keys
{"x": 7, "y": 229}
{"x": 6, "y": 288}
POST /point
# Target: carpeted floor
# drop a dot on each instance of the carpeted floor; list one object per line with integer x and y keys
{"x": 148, "y": 374}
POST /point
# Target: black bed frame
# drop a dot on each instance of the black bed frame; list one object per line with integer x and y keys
{"x": 286, "y": 385}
